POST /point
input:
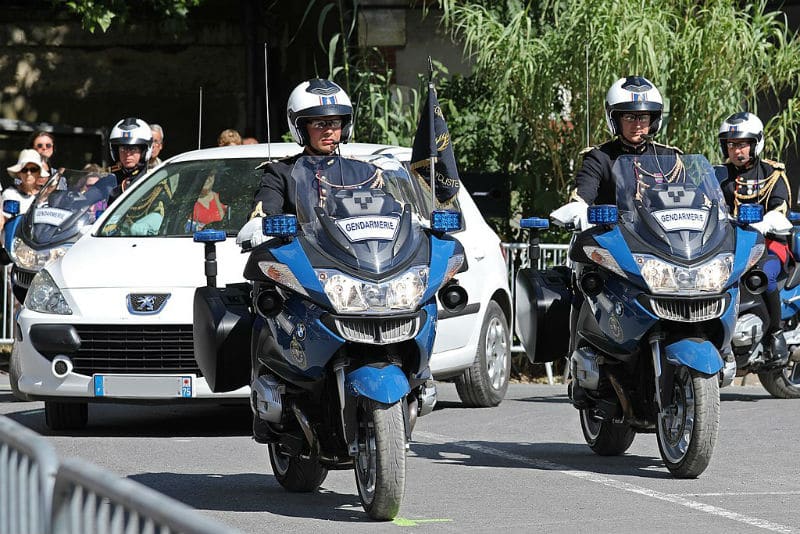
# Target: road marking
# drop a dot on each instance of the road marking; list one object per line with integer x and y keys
{"x": 610, "y": 482}
{"x": 405, "y": 522}
{"x": 736, "y": 494}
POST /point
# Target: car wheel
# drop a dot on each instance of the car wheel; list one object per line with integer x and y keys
{"x": 14, "y": 373}
{"x": 66, "y": 415}
{"x": 485, "y": 383}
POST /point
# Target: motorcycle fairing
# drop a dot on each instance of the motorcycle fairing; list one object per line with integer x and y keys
{"x": 386, "y": 384}
{"x": 442, "y": 249}
{"x": 292, "y": 254}
{"x": 701, "y": 356}
{"x": 425, "y": 339}
{"x": 745, "y": 241}
{"x": 614, "y": 242}
{"x": 789, "y": 307}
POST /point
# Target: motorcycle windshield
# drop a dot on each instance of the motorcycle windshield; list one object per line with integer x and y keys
{"x": 361, "y": 212}
{"x": 673, "y": 203}
{"x": 67, "y": 203}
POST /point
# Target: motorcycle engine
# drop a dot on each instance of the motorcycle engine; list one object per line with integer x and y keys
{"x": 748, "y": 331}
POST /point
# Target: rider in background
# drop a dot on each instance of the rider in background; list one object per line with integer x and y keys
{"x": 633, "y": 109}
{"x": 130, "y": 144}
{"x": 320, "y": 117}
{"x": 753, "y": 180}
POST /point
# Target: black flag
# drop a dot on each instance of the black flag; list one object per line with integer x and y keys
{"x": 432, "y": 140}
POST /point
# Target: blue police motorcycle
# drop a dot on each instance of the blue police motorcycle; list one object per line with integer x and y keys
{"x": 343, "y": 317}
{"x": 652, "y": 302}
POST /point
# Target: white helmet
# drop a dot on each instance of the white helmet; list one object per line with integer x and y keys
{"x": 318, "y": 98}
{"x": 742, "y": 126}
{"x": 634, "y": 93}
{"x": 131, "y": 131}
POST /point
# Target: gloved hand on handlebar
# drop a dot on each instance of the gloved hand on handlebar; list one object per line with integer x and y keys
{"x": 773, "y": 222}
{"x": 252, "y": 234}
{"x": 572, "y": 216}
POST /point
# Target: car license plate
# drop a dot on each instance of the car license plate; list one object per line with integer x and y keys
{"x": 144, "y": 386}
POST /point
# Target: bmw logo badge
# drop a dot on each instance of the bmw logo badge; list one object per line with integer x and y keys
{"x": 300, "y": 331}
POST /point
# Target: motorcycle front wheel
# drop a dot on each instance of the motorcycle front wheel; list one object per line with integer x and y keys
{"x": 688, "y": 424}
{"x": 783, "y": 383}
{"x": 380, "y": 465}
{"x": 295, "y": 474}
{"x": 604, "y": 437}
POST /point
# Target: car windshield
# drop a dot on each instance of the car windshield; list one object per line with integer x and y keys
{"x": 365, "y": 211}
{"x": 182, "y": 197}
{"x": 672, "y": 202}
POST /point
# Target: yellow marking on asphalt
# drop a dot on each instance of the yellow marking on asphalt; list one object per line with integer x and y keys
{"x": 403, "y": 522}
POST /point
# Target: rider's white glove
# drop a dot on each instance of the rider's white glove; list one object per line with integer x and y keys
{"x": 574, "y": 214}
{"x": 252, "y": 234}
{"x": 775, "y": 222}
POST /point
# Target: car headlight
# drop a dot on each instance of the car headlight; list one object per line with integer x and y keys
{"x": 664, "y": 277}
{"x": 33, "y": 260}
{"x": 44, "y": 296}
{"x": 352, "y": 295}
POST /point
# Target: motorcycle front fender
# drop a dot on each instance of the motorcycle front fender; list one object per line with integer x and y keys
{"x": 382, "y": 384}
{"x": 699, "y": 355}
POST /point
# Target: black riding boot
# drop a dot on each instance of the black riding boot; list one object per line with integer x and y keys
{"x": 777, "y": 354}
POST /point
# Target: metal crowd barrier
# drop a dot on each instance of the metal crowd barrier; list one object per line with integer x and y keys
{"x": 40, "y": 496}
{"x": 517, "y": 258}
{"x": 7, "y": 306}
{"x": 28, "y": 465}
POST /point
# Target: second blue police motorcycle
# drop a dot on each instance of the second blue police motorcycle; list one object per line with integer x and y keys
{"x": 344, "y": 316}
{"x": 652, "y": 302}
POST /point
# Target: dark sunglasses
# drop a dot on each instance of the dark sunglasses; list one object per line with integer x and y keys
{"x": 44, "y": 145}
{"x": 30, "y": 170}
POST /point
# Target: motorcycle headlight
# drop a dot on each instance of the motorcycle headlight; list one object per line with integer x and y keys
{"x": 33, "y": 260}
{"x": 44, "y": 296}
{"x": 351, "y": 295}
{"x": 664, "y": 277}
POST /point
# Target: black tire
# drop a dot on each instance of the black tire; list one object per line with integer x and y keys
{"x": 66, "y": 415}
{"x": 604, "y": 437}
{"x": 783, "y": 383}
{"x": 295, "y": 474}
{"x": 687, "y": 428}
{"x": 380, "y": 465}
{"x": 484, "y": 384}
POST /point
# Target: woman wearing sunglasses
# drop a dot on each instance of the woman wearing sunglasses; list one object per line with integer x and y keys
{"x": 29, "y": 175}
{"x": 45, "y": 144}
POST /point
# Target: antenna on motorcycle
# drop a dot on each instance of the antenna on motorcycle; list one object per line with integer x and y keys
{"x": 200, "y": 118}
{"x": 588, "y": 100}
{"x": 266, "y": 103}
{"x": 431, "y": 135}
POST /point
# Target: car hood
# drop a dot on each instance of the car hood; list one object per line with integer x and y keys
{"x": 97, "y": 262}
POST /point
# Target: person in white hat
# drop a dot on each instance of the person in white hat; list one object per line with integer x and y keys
{"x": 29, "y": 175}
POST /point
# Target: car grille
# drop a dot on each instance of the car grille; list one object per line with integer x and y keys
{"x": 685, "y": 310}
{"x": 137, "y": 349}
{"x": 378, "y": 331}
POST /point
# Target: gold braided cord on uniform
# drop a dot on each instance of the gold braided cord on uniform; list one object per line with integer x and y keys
{"x": 763, "y": 190}
{"x": 677, "y": 174}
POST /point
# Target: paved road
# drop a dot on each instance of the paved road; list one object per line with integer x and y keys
{"x": 521, "y": 467}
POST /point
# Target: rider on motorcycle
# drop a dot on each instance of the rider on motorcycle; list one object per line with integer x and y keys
{"x": 754, "y": 180}
{"x": 130, "y": 144}
{"x": 320, "y": 117}
{"x": 633, "y": 113}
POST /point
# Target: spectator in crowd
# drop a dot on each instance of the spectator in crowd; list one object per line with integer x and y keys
{"x": 208, "y": 208}
{"x": 249, "y": 141}
{"x": 94, "y": 171}
{"x": 229, "y": 137}
{"x": 45, "y": 144}
{"x": 158, "y": 144}
{"x": 28, "y": 171}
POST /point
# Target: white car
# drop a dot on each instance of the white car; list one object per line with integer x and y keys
{"x": 112, "y": 319}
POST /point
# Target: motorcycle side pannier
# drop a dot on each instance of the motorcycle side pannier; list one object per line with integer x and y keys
{"x": 542, "y": 312}
{"x": 222, "y": 326}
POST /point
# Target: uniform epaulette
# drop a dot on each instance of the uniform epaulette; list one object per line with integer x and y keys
{"x": 115, "y": 168}
{"x": 587, "y": 150}
{"x": 676, "y": 149}
{"x": 777, "y": 165}
{"x": 267, "y": 162}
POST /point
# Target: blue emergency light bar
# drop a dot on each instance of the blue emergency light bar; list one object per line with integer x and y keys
{"x": 603, "y": 214}
{"x": 280, "y": 226}
{"x": 536, "y": 223}
{"x": 794, "y": 217}
{"x": 11, "y": 207}
{"x": 750, "y": 213}
{"x": 209, "y": 236}
{"x": 445, "y": 220}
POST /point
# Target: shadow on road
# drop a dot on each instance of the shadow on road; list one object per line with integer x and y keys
{"x": 253, "y": 492}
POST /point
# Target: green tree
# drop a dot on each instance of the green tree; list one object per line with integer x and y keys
{"x": 709, "y": 59}
{"x": 99, "y": 14}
